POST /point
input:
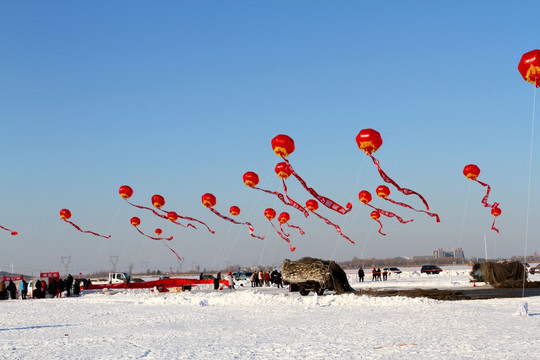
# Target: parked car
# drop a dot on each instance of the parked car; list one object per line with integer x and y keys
{"x": 391, "y": 270}
{"x": 535, "y": 269}
{"x": 430, "y": 269}
{"x": 243, "y": 275}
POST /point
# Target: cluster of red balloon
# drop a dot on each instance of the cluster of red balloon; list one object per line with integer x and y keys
{"x": 209, "y": 201}
{"x": 369, "y": 141}
{"x": 65, "y": 214}
{"x": 472, "y": 172}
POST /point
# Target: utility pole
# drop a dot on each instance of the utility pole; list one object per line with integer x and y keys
{"x": 114, "y": 260}
{"x": 66, "y": 260}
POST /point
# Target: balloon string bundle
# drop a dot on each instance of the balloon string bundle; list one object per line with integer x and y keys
{"x": 209, "y": 201}
{"x": 283, "y": 146}
{"x": 11, "y": 231}
{"x": 270, "y": 214}
{"x": 312, "y": 205}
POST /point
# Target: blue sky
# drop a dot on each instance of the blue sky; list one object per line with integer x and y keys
{"x": 181, "y": 98}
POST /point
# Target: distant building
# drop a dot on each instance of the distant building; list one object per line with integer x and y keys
{"x": 449, "y": 253}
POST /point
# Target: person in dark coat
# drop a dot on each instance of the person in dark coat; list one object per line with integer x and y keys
{"x": 3, "y": 293}
{"x": 361, "y": 275}
{"x": 12, "y": 289}
{"x": 69, "y": 284}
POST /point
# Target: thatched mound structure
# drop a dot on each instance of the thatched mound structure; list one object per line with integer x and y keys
{"x": 327, "y": 273}
{"x": 503, "y": 275}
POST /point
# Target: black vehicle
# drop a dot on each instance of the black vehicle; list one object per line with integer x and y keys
{"x": 534, "y": 269}
{"x": 430, "y": 269}
{"x": 394, "y": 270}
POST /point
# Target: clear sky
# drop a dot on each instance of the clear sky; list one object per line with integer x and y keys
{"x": 180, "y": 98}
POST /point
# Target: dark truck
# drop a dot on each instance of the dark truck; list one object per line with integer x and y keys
{"x": 311, "y": 274}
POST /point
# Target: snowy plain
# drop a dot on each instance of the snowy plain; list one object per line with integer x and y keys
{"x": 271, "y": 323}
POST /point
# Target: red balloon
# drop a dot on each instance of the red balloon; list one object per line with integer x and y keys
{"x": 65, "y": 214}
{"x": 208, "y": 200}
{"x": 158, "y": 231}
{"x": 529, "y": 67}
{"x": 158, "y": 201}
{"x": 283, "y": 145}
{"x": 125, "y": 191}
{"x": 251, "y": 179}
{"x": 283, "y": 170}
{"x": 173, "y": 216}
{"x": 135, "y": 221}
{"x": 312, "y": 205}
{"x": 284, "y": 217}
{"x": 495, "y": 211}
{"x": 270, "y": 213}
{"x": 369, "y": 140}
{"x": 471, "y": 171}
{"x": 364, "y": 196}
{"x": 383, "y": 191}
{"x": 375, "y": 215}
{"x": 234, "y": 210}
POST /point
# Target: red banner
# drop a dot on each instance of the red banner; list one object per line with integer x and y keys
{"x": 390, "y": 214}
{"x": 12, "y": 278}
{"x": 292, "y": 248}
{"x": 338, "y": 229}
{"x": 52, "y": 274}
{"x": 86, "y": 231}
{"x": 485, "y": 198}
{"x": 436, "y": 216}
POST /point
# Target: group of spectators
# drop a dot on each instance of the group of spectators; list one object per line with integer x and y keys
{"x": 265, "y": 278}
{"x": 375, "y": 273}
{"x": 55, "y": 287}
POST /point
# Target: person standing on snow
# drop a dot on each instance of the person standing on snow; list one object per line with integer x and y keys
{"x": 231, "y": 281}
{"x": 361, "y": 275}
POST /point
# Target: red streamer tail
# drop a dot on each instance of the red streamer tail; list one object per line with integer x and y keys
{"x": 388, "y": 180}
{"x": 331, "y": 204}
{"x": 281, "y": 228}
{"x": 251, "y": 229}
{"x": 338, "y": 229}
{"x": 493, "y": 226}
{"x": 292, "y": 248}
{"x": 436, "y": 216}
{"x": 297, "y": 227}
{"x": 293, "y": 203}
{"x": 186, "y": 226}
{"x": 86, "y": 231}
{"x": 390, "y": 214}
{"x": 174, "y": 252}
{"x": 196, "y": 220}
{"x": 11, "y": 231}
{"x": 380, "y": 228}
{"x": 147, "y": 208}
{"x": 485, "y": 198}
{"x": 153, "y": 238}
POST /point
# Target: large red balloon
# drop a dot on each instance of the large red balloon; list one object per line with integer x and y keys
{"x": 284, "y": 217}
{"x": 125, "y": 191}
{"x": 375, "y": 215}
{"x": 529, "y": 67}
{"x": 282, "y": 145}
{"x": 135, "y": 221}
{"x": 208, "y": 200}
{"x": 270, "y": 213}
{"x": 158, "y": 201}
{"x": 471, "y": 171}
{"x": 383, "y": 191}
{"x": 364, "y": 196}
{"x": 369, "y": 140}
{"x": 312, "y": 205}
{"x": 158, "y": 231}
{"x": 283, "y": 170}
{"x": 251, "y": 179}
{"x": 234, "y": 210}
{"x": 65, "y": 214}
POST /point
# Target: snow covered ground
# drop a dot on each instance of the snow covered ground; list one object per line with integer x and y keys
{"x": 270, "y": 323}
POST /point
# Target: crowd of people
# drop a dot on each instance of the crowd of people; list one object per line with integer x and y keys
{"x": 265, "y": 278}
{"x": 376, "y": 274}
{"x": 54, "y": 287}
